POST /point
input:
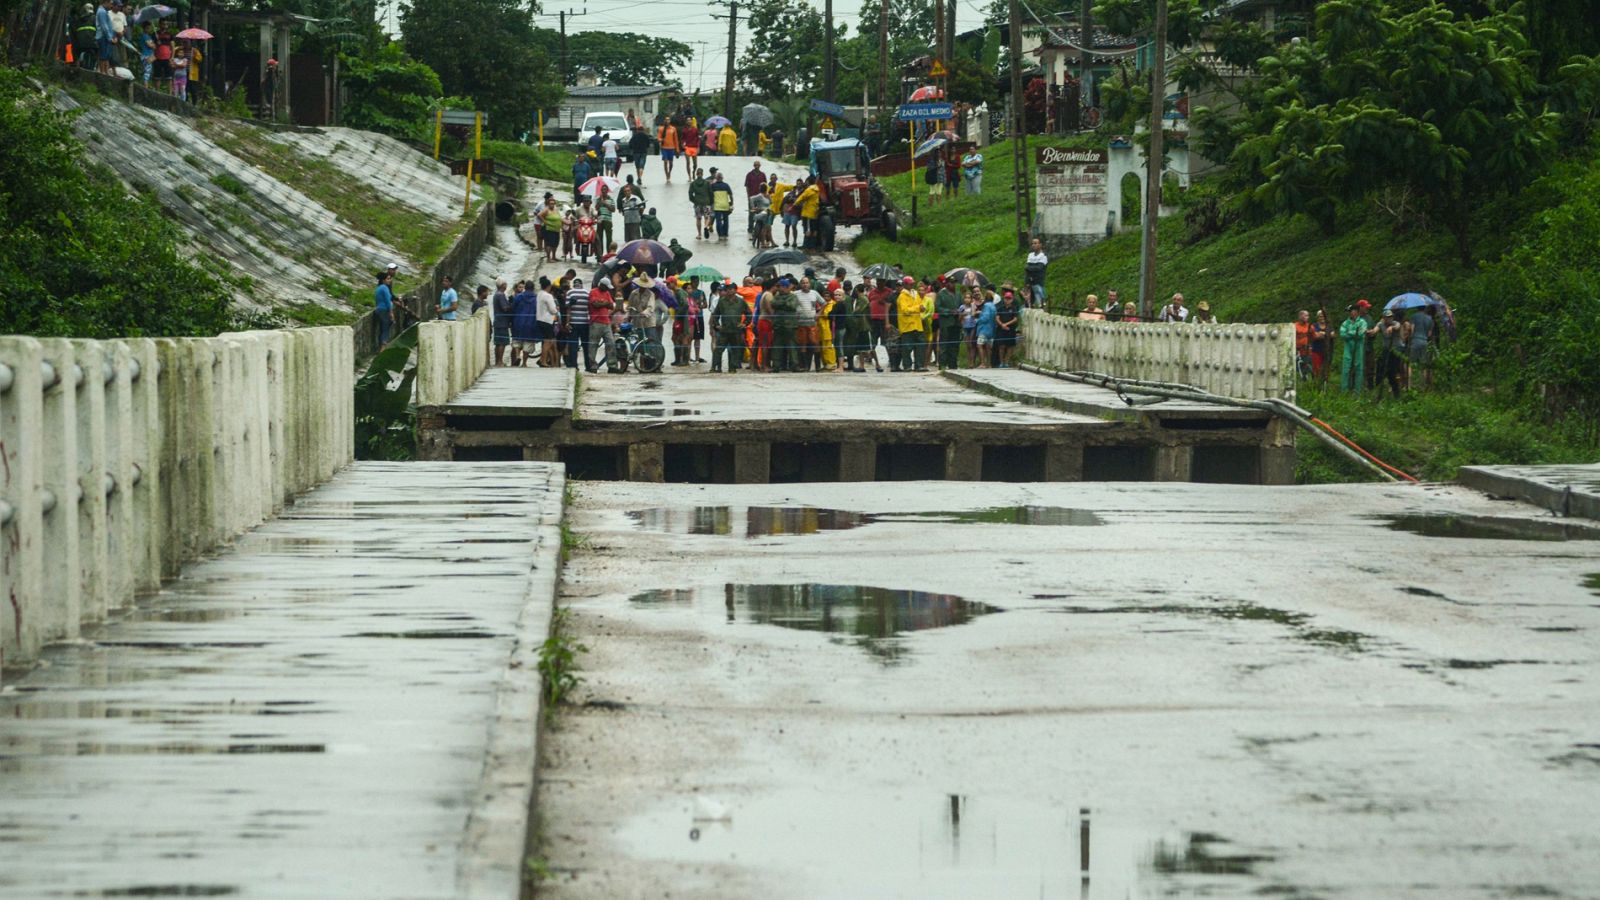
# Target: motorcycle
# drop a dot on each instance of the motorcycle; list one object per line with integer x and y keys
{"x": 585, "y": 235}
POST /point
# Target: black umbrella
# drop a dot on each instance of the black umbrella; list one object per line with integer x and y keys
{"x": 959, "y": 276}
{"x": 778, "y": 256}
{"x": 756, "y": 114}
{"x": 645, "y": 252}
{"x": 881, "y": 271}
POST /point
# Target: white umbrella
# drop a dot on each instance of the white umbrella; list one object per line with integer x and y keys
{"x": 593, "y": 185}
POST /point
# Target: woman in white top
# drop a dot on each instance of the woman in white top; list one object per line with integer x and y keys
{"x": 549, "y": 314}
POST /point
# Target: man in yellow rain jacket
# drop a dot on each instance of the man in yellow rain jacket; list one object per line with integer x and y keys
{"x": 909, "y": 310}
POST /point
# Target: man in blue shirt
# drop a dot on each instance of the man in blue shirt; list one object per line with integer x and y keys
{"x": 383, "y": 306}
{"x": 104, "y": 36}
{"x": 448, "y": 301}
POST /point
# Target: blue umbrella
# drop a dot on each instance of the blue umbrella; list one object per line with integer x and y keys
{"x": 717, "y": 122}
{"x": 152, "y": 13}
{"x": 1410, "y": 300}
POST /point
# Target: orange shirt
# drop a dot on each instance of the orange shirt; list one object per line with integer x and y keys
{"x": 1302, "y": 337}
{"x": 668, "y": 136}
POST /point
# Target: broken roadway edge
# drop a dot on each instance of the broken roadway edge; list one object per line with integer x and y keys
{"x": 1564, "y": 490}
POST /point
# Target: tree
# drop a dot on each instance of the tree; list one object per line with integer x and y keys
{"x": 390, "y": 92}
{"x": 623, "y": 57}
{"x": 1408, "y": 95}
{"x": 81, "y": 258}
{"x": 486, "y": 50}
{"x": 786, "y": 59}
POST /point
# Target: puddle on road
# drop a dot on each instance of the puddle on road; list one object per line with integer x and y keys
{"x": 859, "y": 844}
{"x": 873, "y": 618}
{"x": 1492, "y": 528}
{"x": 764, "y": 521}
{"x": 1298, "y": 623}
{"x": 649, "y": 412}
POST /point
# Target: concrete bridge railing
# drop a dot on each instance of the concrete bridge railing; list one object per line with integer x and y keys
{"x": 451, "y": 356}
{"x": 1245, "y": 361}
{"x": 120, "y": 460}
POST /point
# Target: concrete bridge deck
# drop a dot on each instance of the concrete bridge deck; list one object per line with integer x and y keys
{"x": 342, "y": 704}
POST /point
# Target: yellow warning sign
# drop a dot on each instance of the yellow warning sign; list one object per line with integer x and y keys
{"x": 827, "y": 122}
{"x": 938, "y": 70}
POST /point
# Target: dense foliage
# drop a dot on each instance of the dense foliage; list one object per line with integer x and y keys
{"x": 619, "y": 57}
{"x": 488, "y": 51}
{"x": 80, "y": 257}
{"x": 390, "y": 92}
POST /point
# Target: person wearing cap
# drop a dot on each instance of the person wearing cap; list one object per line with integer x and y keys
{"x": 602, "y": 306}
{"x": 269, "y": 89}
{"x": 1007, "y": 325}
{"x": 728, "y": 319}
{"x": 857, "y": 326}
{"x": 1203, "y": 314}
{"x": 642, "y": 302}
{"x": 1391, "y": 358}
{"x": 383, "y": 307}
{"x": 908, "y": 319}
{"x": 1354, "y": 331}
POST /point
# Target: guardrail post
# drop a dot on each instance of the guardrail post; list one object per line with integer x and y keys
{"x": 119, "y": 459}
{"x": 22, "y": 537}
{"x": 58, "y": 616}
{"x": 146, "y": 446}
{"x": 90, "y": 416}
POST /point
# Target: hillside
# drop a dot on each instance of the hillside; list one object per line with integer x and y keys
{"x": 294, "y": 220}
{"x": 1517, "y": 387}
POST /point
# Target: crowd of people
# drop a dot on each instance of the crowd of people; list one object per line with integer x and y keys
{"x": 109, "y": 37}
{"x": 1396, "y": 351}
{"x": 778, "y": 323}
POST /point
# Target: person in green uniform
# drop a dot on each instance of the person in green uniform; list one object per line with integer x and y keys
{"x": 785, "y": 353}
{"x": 857, "y": 326}
{"x": 947, "y": 312}
{"x": 1354, "y": 331}
{"x": 729, "y": 317}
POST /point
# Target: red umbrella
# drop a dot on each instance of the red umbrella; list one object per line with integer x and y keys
{"x": 927, "y": 92}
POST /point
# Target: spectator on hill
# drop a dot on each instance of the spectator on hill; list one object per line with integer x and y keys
{"x": 1175, "y": 311}
{"x": 1034, "y": 272}
{"x": 1091, "y": 309}
{"x": 1302, "y": 343}
{"x": 1203, "y": 314}
{"x": 383, "y": 307}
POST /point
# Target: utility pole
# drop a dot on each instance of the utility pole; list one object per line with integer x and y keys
{"x": 1152, "y": 185}
{"x": 827, "y": 52}
{"x": 1019, "y": 131}
{"x": 883, "y": 61}
{"x": 733, "y": 34}
{"x": 566, "y": 73}
{"x": 1086, "y": 38}
{"x": 938, "y": 31}
{"x": 949, "y": 32}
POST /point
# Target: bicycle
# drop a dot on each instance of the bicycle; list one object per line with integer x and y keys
{"x": 632, "y": 346}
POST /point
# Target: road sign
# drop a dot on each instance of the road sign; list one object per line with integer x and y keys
{"x": 464, "y": 117}
{"x": 938, "y": 70}
{"x": 826, "y": 124}
{"x": 479, "y": 166}
{"x": 826, "y": 108}
{"x": 924, "y": 112}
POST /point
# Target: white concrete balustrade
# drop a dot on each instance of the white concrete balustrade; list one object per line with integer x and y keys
{"x": 120, "y": 460}
{"x": 451, "y": 356}
{"x": 1250, "y": 362}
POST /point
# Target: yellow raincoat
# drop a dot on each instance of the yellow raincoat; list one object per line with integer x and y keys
{"x": 825, "y": 333}
{"x": 728, "y": 142}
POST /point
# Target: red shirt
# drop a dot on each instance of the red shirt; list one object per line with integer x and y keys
{"x": 690, "y": 136}
{"x": 834, "y": 285}
{"x": 878, "y": 303}
{"x": 600, "y": 306}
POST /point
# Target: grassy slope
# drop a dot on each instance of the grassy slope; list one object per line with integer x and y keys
{"x": 551, "y": 164}
{"x": 1266, "y": 273}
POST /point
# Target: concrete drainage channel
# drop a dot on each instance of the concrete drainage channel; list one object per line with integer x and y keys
{"x": 755, "y": 430}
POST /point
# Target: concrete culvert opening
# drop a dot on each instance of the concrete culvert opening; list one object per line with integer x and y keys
{"x": 1013, "y": 462}
{"x": 910, "y": 462}
{"x": 506, "y": 210}
{"x": 1119, "y": 463}
{"x": 794, "y": 463}
{"x": 698, "y": 463}
{"x": 1226, "y": 464}
{"x": 594, "y": 463}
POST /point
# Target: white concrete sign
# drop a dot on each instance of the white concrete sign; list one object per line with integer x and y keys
{"x": 1072, "y": 192}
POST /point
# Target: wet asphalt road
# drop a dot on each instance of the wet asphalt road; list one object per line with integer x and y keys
{"x": 1220, "y": 691}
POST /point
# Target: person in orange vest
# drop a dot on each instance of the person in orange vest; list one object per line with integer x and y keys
{"x": 667, "y": 137}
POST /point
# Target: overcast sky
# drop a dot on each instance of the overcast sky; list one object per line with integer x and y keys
{"x": 690, "y": 21}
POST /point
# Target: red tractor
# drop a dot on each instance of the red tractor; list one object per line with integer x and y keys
{"x": 850, "y": 195}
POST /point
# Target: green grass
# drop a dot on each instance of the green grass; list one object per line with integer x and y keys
{"x": 415, "y": 234}
{"x": 313, "y": 315}
{"x": 554, "y": 163}
{"x": 230, "y": 184}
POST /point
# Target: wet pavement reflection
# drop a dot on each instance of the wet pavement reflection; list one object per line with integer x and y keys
{"x": 950, "y": 845}
{"x": 763, "y": 521}
{"x": 874, "y": 618}
{"x": 1493, "y": 528}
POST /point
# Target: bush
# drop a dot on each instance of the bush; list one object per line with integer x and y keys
{"x": 80, "y": 256}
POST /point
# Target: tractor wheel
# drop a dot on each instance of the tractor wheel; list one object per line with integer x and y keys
{"x": 826, "y": 227}
{"x": 891, "y": 226}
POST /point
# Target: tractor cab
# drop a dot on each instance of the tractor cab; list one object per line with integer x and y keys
{"x": 850, "y": 195}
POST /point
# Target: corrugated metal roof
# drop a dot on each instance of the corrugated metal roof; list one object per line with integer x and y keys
{"x": 618, "y": 90}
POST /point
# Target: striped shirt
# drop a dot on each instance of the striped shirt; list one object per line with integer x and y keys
{"x": 578, "y": 306}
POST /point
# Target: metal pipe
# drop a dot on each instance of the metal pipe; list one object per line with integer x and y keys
{"x": 1276, "y": 407}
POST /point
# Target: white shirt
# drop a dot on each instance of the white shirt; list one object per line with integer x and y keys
{"x": 610, "y": 148}
{"x": 1168, "y": 315}
{"x": 547, "y": 311}
{"x": 807, "y": 303}
{"x": 1038, "y": 257}
{"x": 119, "y": 23}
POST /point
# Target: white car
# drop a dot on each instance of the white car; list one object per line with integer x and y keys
{"x": 611, "y": 124}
